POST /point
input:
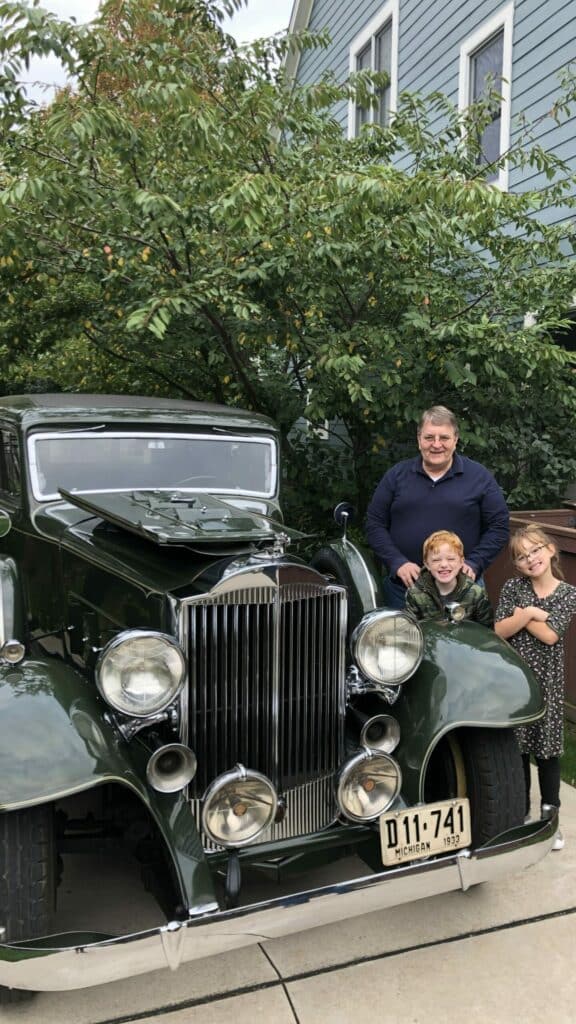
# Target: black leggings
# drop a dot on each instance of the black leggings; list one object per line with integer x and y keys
{"x": 548, "y": 777}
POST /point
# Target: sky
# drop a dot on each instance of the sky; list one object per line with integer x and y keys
{"x": 258, "y": 18}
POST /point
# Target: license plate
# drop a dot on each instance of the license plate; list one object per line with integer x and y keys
{"x": 424, "y": 831}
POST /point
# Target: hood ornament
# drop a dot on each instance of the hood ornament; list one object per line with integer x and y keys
{"x": 281, "y": 542}
{"x": 277, "y": 549}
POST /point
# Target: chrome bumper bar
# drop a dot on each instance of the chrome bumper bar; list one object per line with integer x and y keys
{"x": 68, "y": 961}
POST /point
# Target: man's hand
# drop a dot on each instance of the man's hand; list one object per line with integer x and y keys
{"x": 408, "y": 573}
{"x": 469, "y": 571}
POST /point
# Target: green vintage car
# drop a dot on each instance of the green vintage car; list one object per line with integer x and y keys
{"x": 179, "y": 684}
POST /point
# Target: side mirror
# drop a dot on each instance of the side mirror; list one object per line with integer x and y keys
{"x": 344, "y": 514}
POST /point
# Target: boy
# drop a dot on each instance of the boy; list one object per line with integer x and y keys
{"x": 442, "y": 581}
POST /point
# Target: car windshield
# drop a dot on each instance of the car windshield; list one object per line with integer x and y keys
{"x": 119, "y": 461}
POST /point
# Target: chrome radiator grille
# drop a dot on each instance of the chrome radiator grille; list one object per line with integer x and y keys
{"x": 266, "y": 677}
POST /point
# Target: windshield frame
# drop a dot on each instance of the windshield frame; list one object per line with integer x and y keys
{"x": 157, "y": 435}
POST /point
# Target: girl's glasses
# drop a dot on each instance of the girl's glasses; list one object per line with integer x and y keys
{"x": 523, "y": 559}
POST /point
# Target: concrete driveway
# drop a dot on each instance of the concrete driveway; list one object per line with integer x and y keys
{"x": 502, "y": 952}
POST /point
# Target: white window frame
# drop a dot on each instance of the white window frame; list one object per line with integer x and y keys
{"x": 502, "y": 21}
{"x": 390, "y": 12}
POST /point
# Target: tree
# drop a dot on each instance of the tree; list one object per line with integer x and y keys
{"x": 182, "y": 221}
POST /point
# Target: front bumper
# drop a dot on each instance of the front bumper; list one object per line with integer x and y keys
{"x": 72, "y": 961}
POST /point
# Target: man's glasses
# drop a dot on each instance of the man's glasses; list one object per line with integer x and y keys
{"x": 437, "y": 439}
{"x": 523, "y": 559}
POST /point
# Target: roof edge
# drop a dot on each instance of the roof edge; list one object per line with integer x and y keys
{"x": 299, "y": 20}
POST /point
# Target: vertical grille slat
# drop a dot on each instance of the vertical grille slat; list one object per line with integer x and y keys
{"x": 243, "y": 713}
{"x": 266, "y": 670}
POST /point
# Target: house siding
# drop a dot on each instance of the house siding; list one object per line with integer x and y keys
{"x": 431, "y": 33}
{"x": 344, "y": 22}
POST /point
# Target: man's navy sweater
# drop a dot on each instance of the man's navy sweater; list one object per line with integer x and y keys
{"x": 408, "y": 506}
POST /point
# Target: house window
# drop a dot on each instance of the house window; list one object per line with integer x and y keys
{"x": 486, "y": 65}
{"x": 376, "y": 49}
{"x": 486, "y": 68}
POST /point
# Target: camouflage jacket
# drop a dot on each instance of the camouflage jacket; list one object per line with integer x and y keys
{"x": 425, "y": 602}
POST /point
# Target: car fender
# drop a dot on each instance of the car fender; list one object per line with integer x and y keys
{"x": 56, "y": 740}
{"x": 468, "y": 677}
{"x": 355, "y": 567}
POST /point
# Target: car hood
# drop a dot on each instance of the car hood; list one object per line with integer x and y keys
{"x": 177, "y": 517}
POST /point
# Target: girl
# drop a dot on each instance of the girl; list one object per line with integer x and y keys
{"x": 533, "y": 613}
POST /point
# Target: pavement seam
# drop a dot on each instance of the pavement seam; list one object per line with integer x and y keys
{"x": 329, "y": 969}
{"x": 282, "y": 981}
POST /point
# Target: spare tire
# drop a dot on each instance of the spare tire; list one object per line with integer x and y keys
{"x": 331, "y": 564}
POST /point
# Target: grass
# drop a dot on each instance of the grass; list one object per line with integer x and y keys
{"x": 568, "y": 760}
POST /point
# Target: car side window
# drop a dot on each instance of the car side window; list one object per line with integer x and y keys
{"x": 9, "y": 463}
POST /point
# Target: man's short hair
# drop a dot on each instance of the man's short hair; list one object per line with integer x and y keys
{"x": 435, "y": 540}
{"x": 438, "y": 414}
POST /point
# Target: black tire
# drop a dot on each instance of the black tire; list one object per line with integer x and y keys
{"x": 27, "y": 879}
{"x": 485, "y": 765}
{"x": 331, "y": 564}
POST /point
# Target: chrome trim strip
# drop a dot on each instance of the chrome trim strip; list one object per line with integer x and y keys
{"x": 365, "y": 569}
{"x": 66, "y": 966}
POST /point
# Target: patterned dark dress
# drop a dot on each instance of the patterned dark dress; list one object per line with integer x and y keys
{"x": 544, "y": 738}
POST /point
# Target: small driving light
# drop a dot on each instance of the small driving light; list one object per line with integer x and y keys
{"x": 238, "y": 807}
{"x": 13, "y": 652}
{"x": 367, "y": 785}
{"x": 456, "y": 612}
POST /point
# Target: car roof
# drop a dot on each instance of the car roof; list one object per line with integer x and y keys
{"x": 55, "y": 409}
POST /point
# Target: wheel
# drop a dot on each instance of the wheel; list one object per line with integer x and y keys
{"x": 27, "y": 879}
{"x": 485, "y": 765}
{"x": 331, "y": 564}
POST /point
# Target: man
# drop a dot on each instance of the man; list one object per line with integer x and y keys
{"x": 438, "y": 490}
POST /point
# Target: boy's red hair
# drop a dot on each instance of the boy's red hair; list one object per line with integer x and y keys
{"x": 435, "y": 540}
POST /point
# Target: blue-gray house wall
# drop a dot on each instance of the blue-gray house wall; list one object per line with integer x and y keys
{"x": 430, "y": 36}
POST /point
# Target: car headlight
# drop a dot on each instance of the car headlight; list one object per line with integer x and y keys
{"x": 387, "y": 646}
{"x": 367, "y": 785}
{"x": 238, "y": 807}
{"x": 140, "y": 673}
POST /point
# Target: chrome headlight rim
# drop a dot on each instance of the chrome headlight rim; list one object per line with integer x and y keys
{"x": 236, "y": 777}
{"x": 366, "y": 623}
{"x": 369, "y": 757}
{"x": 12, "y": 652}
{"x": 131, "y": 636}
{"x": 455, "y": 611}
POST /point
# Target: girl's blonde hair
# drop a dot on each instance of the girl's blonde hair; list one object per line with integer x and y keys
{"x": 534, "y": 534}
{"x": 435, "y": 540}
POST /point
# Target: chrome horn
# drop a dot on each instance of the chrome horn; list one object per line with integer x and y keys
{"x": 171, "y": 768}
{"x": 375, "y": 730}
